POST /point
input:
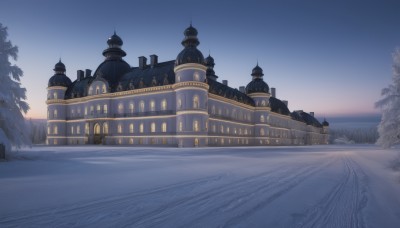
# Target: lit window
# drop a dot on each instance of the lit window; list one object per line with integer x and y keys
{"x": 262, "y": 119}
{"x": 141, "y": 106}
{"x": 85, "y": 111}
{"x": 131, "y": 128}
{"x": 131, "y": 108}
{"x": 120, "y": 108}
{"x": 104, "y": 89}
{"x": 227, "y": 130}
{"x": 105, "y": 109}
{"x": 152, "y": 106}
{"x": 78, "y": 130}
{"x": 55, "y": 130}
{"x": 130, "y": 141}
{"x": 153, "y": 127}
{"x": 105, "y": 128}
{"x": 98, "y": 108}
{"x": 164, "y": 127}
{"x": 55, "y": 113}
{"x": 97, "y": 89}
{"x": 141, "y": 128}
{"x": 180, "y": 126}
{"x": 179, "y": 103}
{"x": 222, "y": 129}
{"x": 195, "y": 102}
{"x": 196, "y": 76}
{"x": 48, "y": 130}
{"x": 119, "y": 128}
{"x": 195, "y": 125}
{"x": 86, "y": 128}
{"x": 91, "y": 110}
{"x": 262, "y": 132}
{"x": 96, "y": 129}
{"x": 164, "y": 104}
{"x": 55, "y": 95}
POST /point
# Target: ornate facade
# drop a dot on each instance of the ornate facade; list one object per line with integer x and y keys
{"x": 175, "y": 103}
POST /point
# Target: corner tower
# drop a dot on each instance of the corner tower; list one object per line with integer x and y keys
{"x": 258, "y": 90}
{"x": 56, "y": 110}
{"x": 191, "y": 92}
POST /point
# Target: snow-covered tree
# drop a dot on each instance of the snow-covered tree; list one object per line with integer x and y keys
{"x": 12, "y": 97}
{"x": 389, "y": 127}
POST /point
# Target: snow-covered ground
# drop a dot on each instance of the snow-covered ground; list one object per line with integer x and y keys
{"x": 312, "y": 186}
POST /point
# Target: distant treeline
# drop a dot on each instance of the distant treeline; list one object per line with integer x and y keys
{"x": 37, "y": 130}
{"x": 357, "y": 135}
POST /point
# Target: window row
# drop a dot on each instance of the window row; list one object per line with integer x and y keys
{"x": 227, "y": 130}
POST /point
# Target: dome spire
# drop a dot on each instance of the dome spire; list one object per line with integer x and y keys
{"x": 114, "y": 47}
{"x": 190, "y": 53}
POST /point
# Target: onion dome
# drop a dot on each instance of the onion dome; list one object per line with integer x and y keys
{"x": 190, "y": 54}
{"x": 325, "y": 123}
{"x": 114, "y": 48}
{"x": 114, "y": 40}
{"x": 59, "y": 78}
{"x": 209, "y": 61}
{"x": 257, "y": 71}
{"x": 113, "y": 67}
{"x": 257, "y": 85}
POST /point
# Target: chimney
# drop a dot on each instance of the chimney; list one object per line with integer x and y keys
{"x": 312, "y": 114}
{"x": 142, "y": 62}
{"x": 273, "y": 92}
{"x": 225, "y": 82}
{"x": 242, "y": 89}
{"x": 285, "y": 102}
{"x": 88, "y": 73}
{"x": 80, "y": 75}
{"x": 153, "y": 60}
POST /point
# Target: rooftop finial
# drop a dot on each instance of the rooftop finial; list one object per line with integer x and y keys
{"x": 257, "y": 61}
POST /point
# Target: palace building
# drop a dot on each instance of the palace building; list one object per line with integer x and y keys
{"x": 177, "y": 103}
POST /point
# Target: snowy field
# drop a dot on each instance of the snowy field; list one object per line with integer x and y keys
{"x": 313, "y": 186}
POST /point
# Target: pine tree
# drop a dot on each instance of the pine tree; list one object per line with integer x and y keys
{"x": 12, "y": 97}
{"x": 389, "y": 127}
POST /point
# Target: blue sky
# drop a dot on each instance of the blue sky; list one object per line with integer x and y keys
{"x": 330, "y": 57}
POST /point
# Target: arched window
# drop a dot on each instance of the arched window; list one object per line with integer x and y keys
{"x": 91, "y": 110}
{"x": 222, "y": 129}
{"x": 120, "y": 108}
{"x": 86, "y": 128}
{"x": 97, "y": 129}
{"x": 105, "y": 109}
{"x": 196, "y": 102}
{"x": 262, "y": 119}
{"x": 55, "y": 113}
{"x": 104, "y": 88}
{"x": 263, "y": 103}
{"x": 152, "y": 105}
{"x": 164, "y": 104}
{"x": 131, "y": 129}
{"x": 196, "y": 125}
{"x": 141, "y": 128}
{"x": 153, "y": 127}
{"x": 164, "y": 127}
{"x": 55, "y": 95}
{"x": 131, "y": 108}
{"x": 262, "y": 133}
{"x": 227, "y": 130}
{"x": 130, "y": 141}
{"x": 98, "y": 108}
{"x": 55, "y": 130}
{"x": 119, "y": 130}
{"x": 141, "y": 106}
{"x": 105, "y": 128}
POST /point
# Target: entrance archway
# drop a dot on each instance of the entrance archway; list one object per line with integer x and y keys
{"x": 98, "y": 137}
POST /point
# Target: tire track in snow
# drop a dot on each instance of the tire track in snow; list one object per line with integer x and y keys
{"x": 226, "y": 196}
{"x": 343, "y": 205}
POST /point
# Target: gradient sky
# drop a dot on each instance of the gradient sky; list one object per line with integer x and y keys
{"x": 330, "y": 57}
